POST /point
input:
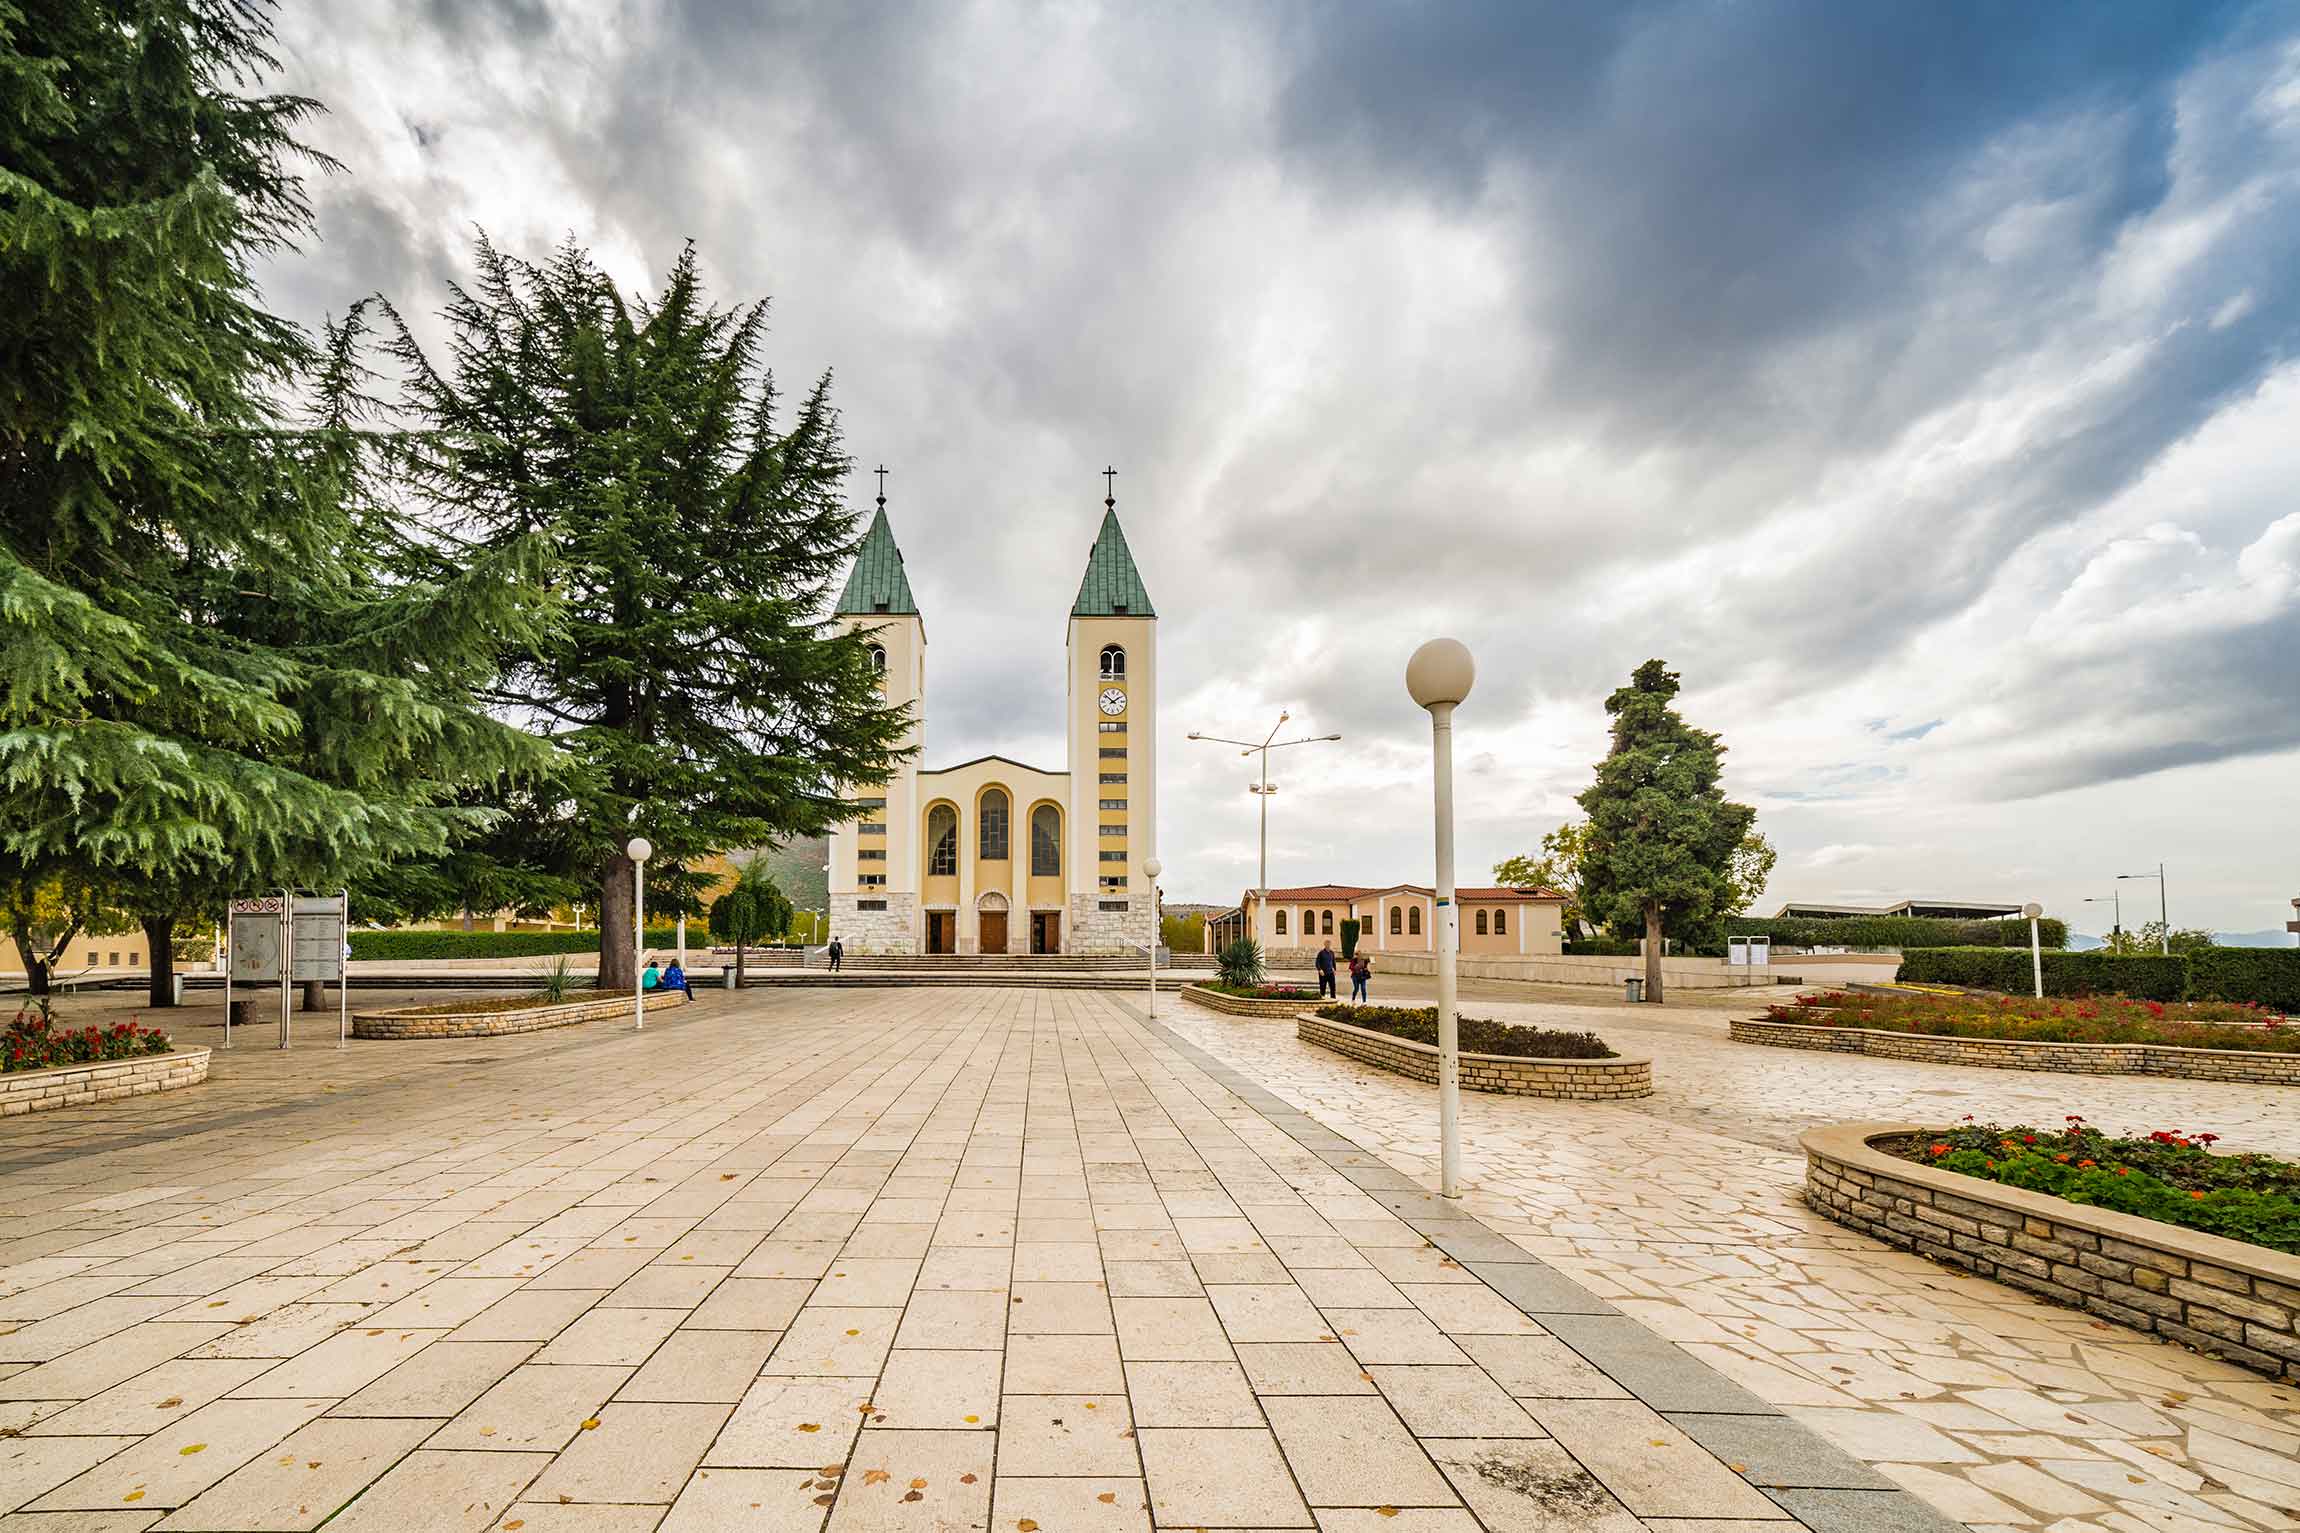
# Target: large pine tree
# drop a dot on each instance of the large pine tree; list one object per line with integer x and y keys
{"x": 696, "y": 687}
{"x": 1658, "y": 854}
{"x": 211, "y": 679}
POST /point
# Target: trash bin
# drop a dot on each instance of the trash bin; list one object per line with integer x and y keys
{"x": 1633, "y": 989}
{"x": 727, "y": 975}
{"x": 179, "y": 987}
{"x": 243, "y": 1013}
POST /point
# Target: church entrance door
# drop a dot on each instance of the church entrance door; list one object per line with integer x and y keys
{"x": 993, "y": 931}
{"x": 1045, "y": 932}
{"x": 942, "y": 931}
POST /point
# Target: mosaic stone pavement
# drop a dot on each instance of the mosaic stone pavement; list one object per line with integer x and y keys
{"x": 1683, "y": 1210}
{"x": 843, "y": 1260}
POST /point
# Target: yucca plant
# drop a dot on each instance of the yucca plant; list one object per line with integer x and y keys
{"x": 1240, "y": 963}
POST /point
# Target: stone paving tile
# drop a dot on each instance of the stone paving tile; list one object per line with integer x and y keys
{"x": 1355, "y": 1452}
{"x": 944, "y": 1390}
{"x": 304, "y": 1480}
{"x": 441, "y": 1493}
{"x": 1191, "y": 1395}
{"x": 635, "y": 1453}
{"x": 532, "y": 1407}
{"x": 792, "y": 1423}
{"x": 1206, "y": 1478}
{"x": 176, "y": 1463}
{"x": 1528, "y": 1483}
{"x": 743, "y": 1501}
{"x": 924, "y": 1481}
{"x": 1066, "y": 1434}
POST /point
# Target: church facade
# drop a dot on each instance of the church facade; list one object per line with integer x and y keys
{"x": 994, "y": 855}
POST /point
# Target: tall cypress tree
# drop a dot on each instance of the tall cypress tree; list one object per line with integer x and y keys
{"x": 211, "y": 678}
{"x": 696, "y": 688}
{"x": 1662, "y": 837}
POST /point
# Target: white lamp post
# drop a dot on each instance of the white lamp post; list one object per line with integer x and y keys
{"x": 639, "y": 849}
{"x": 1439, "y": 676}
{"x": 2035, "y": 946}
{"x": 1150, "y": 872}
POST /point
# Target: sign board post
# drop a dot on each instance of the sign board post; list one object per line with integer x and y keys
{"x": 258, "y": 943}
{"x": 317, "y": 944}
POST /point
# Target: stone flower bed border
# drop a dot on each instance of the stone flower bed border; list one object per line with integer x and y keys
{"x": 2222, "y": 1297}
{"x": 1576, "y": 1080}
{"x": 416, "y": 1023}
{"x": 2262, "y": 1069}
{"x": 1239, "y": 1005}
{"x": 23, "y": 1091}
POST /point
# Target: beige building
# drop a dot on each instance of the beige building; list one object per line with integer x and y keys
{"x": 1402, "y": 918}
{"x": 994, "y": 855}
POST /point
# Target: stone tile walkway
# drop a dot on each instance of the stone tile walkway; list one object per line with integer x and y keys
{"x": 856, "y": 1261}
{"x": 1683, "y": 1210}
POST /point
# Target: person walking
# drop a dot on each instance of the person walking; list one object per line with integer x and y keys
{"x": 1325, "y": 962}
{"x": 837, "y": 952}
{"x": 1361, "y": 970}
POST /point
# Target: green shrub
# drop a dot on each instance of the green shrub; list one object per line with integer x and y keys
{"x": 1602, "y": 947}
{"x": 34, "y": 1042}
{"x": 2265, "y": 976}
{"x": 2081, "y": 1019}
{"x": 1478, "y": 1035}
{"x": 1896, "y": 931}
{"x": 1240, "y": 964}
{"x": 1350, "y": 930}
{"x": 411, "y": 947}
{"x": 2007, "y": 969}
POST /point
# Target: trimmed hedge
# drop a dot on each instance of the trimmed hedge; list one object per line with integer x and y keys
{"x": 1897, "y": 931}
{"x": 409, "y": 947}
{"x": 2007, "y": 969}
{"x": 1602, "y": 947}
{"x": 2267, "y": 976}
{"x": 1477, "y": 1035}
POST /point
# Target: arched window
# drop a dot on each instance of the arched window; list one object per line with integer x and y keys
{"x": 1481, "y": 923}
{"x": 1397, "y": 920}
{"x": 1045, "y": 842}
{"x": 1326, "y": 924}
{"x": 941, "y": 840}
{"x": 1280, "y": 928}
{"x": 1113, "y": 663}
{"x": 1414, "y": 920}
{"x": 993, "y": 835}
{"x": 878, "y": 658}
{"x": 1501, "y": 923}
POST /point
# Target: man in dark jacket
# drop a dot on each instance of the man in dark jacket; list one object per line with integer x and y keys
{"x": 837, "y": 952}
{"x": 1326, "y": 971}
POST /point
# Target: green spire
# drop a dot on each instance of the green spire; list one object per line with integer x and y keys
{"x": 1112, "y": 587}
{"x": 878, "y": 583}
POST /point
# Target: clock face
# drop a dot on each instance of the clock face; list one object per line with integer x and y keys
{"x": 1113, "y": 701}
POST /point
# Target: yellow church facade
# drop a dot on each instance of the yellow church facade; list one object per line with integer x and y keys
{"x": 995, "y": 855}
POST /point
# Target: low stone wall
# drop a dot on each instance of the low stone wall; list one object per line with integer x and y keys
{"x": 1577, "y": 1080}
{"x": 1553, "y": 968}
{"x": 492, "y": 1024}
{"x": 1238, "y": 1005}
{"x": 23, "y": 1091}
{"x": 2259, "y": 1069}
{"x": 2222, "y": 1297}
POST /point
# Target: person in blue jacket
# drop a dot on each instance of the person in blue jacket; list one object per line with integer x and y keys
{"x": 675, "y": 978}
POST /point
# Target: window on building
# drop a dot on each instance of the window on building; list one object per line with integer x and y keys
{"x": 1326, "y": 924}
{"x": 1397, "y": 920}
{"x": 1113, "y": 753}
{"x": 1118, "y": 856}
{"x": 871, "y": 854}
{"x": 1108, "y": 906}
{"x": 1112, "y": 726}
{"x": 866, "y": 805}
{"x": 1113, "y": 663}
{"x": 878, "y": 658}
{"x": 1114, "y": 830}
{"x": 1414, "y": 921}
{"x": 1113, "y": 880}
{"x": 993, "y": 834}
{"x": 1280, "y": 928}
{"x": 941, "y": 840}
{"x": 1110, "y": 777}
{"x": 871, "y": 880}
{"x": 871, "y": 828}
{"x": 1045, "y": 842}
{"x": 1114, "y": 803}
{"x": 1501, "y": 923}
{"x": 870, "y": 904}
{"x": 1481, "y": 923}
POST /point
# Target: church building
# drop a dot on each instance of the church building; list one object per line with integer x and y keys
{"x": 993, "y": 855}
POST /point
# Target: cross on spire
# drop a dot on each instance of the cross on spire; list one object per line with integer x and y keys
{"x": 881, "y": 486}
{"x": 1110, "y": 488}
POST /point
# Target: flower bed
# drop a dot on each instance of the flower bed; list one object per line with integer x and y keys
{"x": 1479, "y": 1035}
{"x": 2100, "y": 1019}
{"x": 2226, "y": 1298}
{"x": 1589, "y": 1078}
{"x": 478, "y": 1019}
{"x": 34, "y": 1042}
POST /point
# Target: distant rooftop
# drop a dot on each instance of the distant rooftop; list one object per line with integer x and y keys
{"x": 1941, "y": 910}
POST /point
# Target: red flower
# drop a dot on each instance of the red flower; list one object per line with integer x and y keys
{"x": 1940, "y": 1149}
{"x": 2196, "y": 1194}
{"x": 2086, "y": 1165}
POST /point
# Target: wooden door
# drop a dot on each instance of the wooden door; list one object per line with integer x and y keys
{"x": 1045, "y": 932}
{"x": 993, "y": 930}
{"x": 941, "y": 929}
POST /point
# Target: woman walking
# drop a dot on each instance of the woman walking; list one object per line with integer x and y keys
{"x": 1361, "y": 970}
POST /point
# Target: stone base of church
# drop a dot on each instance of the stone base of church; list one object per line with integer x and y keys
{"x": 892, "y": 930}
{"x": 1094, "y": 930}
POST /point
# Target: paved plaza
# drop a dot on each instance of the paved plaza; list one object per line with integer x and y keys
{"x": 1019, "y": 1259}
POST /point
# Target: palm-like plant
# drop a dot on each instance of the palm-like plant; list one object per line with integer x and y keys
{"x": 1240, "y": 963}
{"x": 752, "y": 909}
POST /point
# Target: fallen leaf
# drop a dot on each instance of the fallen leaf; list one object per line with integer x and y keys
{"x": 2137, "y": 1479}
{"x": 854, "y": 1333}
{"x": 912, "y": 1495}
{"x": 134, "y": 1495}
{"x": 970, "y": 1420}
{"x": 824, "y": 1500}
{"x": 876, "y": 1476}
{"x": 170, "y": 1403}
{"x": 1108, "y": 1498}
{"x": 516, "y": 1522}
{"x": 487, "y": 1431}
{"x": 189, "y": 1449}
{"x": 1385, "y": 1511}
{"x": 1025, "y": 1525}
{"x": 966, "y": 1479}
{"x": 726, "y": 1176}
{"x": 810, "y": 1426}
{"x": 590, "y": 1423}
{"x": 1740, "y": 1468}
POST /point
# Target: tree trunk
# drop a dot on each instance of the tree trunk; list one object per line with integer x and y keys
{"x": 618, "y": 963}
{"x": 1653, "y": 951}
{"x": 314, "y": 994}
{"x": 738, "y": 963}
{"x": 160, "y": 942}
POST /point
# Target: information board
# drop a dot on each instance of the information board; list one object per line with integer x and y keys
{"x": 318, "y": 939}
{"x": 255, "y": 945}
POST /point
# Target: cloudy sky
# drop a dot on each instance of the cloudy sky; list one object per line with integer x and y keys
{"x": 1922, "y": 381}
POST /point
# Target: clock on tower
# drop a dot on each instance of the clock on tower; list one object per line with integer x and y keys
{"x": 1113, "y": 701}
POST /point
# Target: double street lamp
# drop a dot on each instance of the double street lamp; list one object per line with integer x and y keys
{"x": 2163, "y": 917}
{"x": 1263, "y": 788}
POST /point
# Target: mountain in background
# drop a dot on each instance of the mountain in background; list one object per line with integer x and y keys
{"x": 797, "y": 868}
{"x": 2271, "y": 938}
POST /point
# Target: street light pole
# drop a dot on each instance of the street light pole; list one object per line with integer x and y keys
{"x": 1263, "y": 788}
{"x": 2163, "y": 915}
{"x": 2035, "y": 946}
{"x": 639, "y": 849}
{"x": 1150, "y": 872}
{"x": 1439, "y": 677}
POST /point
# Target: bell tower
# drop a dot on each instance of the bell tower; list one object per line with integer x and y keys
{"x": 874, "y": 858}
{"x": 1111, "y": 692}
